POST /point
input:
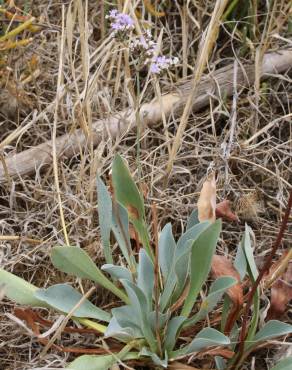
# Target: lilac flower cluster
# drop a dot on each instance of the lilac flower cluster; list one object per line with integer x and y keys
{"x": 161, "y": 62}
{"x": 120, "y": 22}
{"x": 144, "y": 46}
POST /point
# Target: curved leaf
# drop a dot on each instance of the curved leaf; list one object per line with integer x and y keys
{"x": 193, "y": 219}
{"x": 191, "y": 234}
{"x": 217, "y": 289}
{"x": 162, "y": 319}
{"x": 202, "y": 252}
{"x": 156, "y": 360}
{"x": 207, "y": 337}
{"x": 240, "y": 261}
{"x": 145, "y": 278}
{"x": 117, "y": 272}
{"x": 126, "y": 316}
{"x": 253, "y": 274}
{"x": 172, "y": 331}
{"x": 19, "y": 290}
{"x": 88, "y": 362}
{"x": 139, "y": 304}
{"x": 166, "y": 249}
{"x": 104, "y": 216}
{"x": 122, "y": 333}
{"x": 179, "y": 268}
{"x": 272, "y": 329}
{"x": 75, "y": 261}
{"x": 64, "y": 298}
{"x": 126, "y": 191}
{"x": 285, "y": 364}
{"x": 220, "y": 363}
{"x": 120, "y": 228}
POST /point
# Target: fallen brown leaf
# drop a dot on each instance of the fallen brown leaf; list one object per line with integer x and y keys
{"x": 207, "y": 201}
{"x": 222, "y": 266}
{"x": 29, "y": 316}
{"x": 225, "y": 353}
{"x": 223, "y": 210}
{"x": 281, "y": 294}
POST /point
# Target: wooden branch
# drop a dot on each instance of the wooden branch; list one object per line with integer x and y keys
{"x": 216, "y": 84}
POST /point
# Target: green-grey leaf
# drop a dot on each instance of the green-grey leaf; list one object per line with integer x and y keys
{"x": 126, "y": 316}
{"x": 75, "y": 261}
{"x": 172, "y": 331}
{"x": 191, "y": 234}
{"x": 202, "y": 252}
{"x": 248, "y": 250}
{"x": 193, "y": 219}
{"x": 19, "y": 290}
{"x": 217, "y": 289}
{"x": 139, "y": 304}
{"x": 285, "y": 364}
{"x": 272, "y": 329}
{"x": 104, "y": 216}
{"x": 220, "y": 363}
{"x": 126, "y": 191}
{"x": 182, "y": 258}
{"x": 120, "y": 228}
{"x": 156, "y": 360}
{"x": 88, "y": 362}
{"x": 179, "y": 269}
{"x": 253, "y": 274}
{"x": 166, "y": 247}
{"x": 122, "y": 333}
{"x": 162, "y": 319}
{"x": 207, "y": 337}
{"x": 117, "y": 272}
{"x": 145, "y": 278}
{"x": 240, "y": 261}
{"x": 63, "y": 298}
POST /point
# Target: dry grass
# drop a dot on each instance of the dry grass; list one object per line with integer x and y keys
{"x": 59, "y": 202}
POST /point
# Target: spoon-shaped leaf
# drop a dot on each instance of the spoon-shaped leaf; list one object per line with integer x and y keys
{"x": 167, "y": 248}
{"x": 64, "y": 298}
{"x": 285, "y": 364}
{"x": 117, "y": 272}
{"x": 88, "y": 362}
{"x": 126, "y": 191}
{"x": 272, "y": 329}
{"x": 19, "y": 290}
{"x": 207, "y": 337}
{"x": 218, "y": 288}
{"x": 202, "y": 252}
{"x": 75, "y": 261}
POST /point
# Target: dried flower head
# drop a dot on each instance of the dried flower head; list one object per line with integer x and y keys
{"x": 207, "y": 200}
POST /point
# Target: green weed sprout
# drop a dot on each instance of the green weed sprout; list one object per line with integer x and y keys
{"x": 159, "y": 288}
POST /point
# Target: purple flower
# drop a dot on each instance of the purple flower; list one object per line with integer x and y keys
{"x": 120, "y": 21}
{"x": 113, "y": 13}
{"x": 143, "y": 46}
{"x": 161, "y": 62}
{"x": 125, "y": 19}
{"x": 154, "y": 68}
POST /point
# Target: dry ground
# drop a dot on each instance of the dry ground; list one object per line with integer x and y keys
{"x": 256, "y": 178}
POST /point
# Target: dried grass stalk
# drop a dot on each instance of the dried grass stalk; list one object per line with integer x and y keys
{"x": 219, "y": 83}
